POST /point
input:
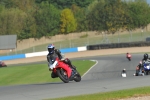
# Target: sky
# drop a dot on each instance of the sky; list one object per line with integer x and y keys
{"x": 148, "y": 1}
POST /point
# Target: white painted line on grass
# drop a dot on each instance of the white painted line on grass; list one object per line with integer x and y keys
{"x": 91, "y": 67}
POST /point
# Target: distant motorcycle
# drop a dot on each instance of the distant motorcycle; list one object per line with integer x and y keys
{"x": 128, "y": 56}
{"x": 2, "y": 64}
{"x": 123, "y": 73}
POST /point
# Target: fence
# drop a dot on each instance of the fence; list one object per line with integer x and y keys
{"x": 84, "y": 40}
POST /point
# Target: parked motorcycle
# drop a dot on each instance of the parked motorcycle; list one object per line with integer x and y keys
{"x": 128, "y": 56}
{"x": 64, "y": 72}
{"x": 2, "y": 64}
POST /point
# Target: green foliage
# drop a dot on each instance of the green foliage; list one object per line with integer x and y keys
{"x": 68, "y": 22}
{"x": 80, "y": 16}
{"x": 29, "y": 29}
{"x": 38, "y": 18}
{"x": 139, "y": 13}
{"x": 112, "y": 15}
{"x": 97, "y": 17}
{"x": 7, "y": 3}
{"x": 62, "y": 4}
{"x": 12, "y": 21}
{"x": 47, "y": 20}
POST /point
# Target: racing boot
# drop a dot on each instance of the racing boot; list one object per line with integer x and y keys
{"x": 72, "y": 66}
{"x": 53, "y": 75}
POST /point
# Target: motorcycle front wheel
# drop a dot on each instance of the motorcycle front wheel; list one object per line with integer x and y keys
{"x": 77, "y": 77}
{"x": 62, "y": 74}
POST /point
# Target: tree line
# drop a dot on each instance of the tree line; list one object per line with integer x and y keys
{"x": 38, "y": 18}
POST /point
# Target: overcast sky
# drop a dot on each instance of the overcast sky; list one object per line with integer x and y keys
{"x": 148, "y": 1}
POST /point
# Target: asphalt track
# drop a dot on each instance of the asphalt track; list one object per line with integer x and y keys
{"x": 104, "y": 76}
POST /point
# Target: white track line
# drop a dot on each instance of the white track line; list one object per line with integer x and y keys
{"x": 90, "y": 68}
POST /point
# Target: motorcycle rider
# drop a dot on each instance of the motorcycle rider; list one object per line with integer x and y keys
{"x": 52, "y": 54}
{"x": 128, "y": 55}
{"x": 140, "y": 67}
{"x": 123, "y": 73}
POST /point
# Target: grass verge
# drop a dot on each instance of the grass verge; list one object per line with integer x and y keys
{"x": 115, "y": 95}
{"x": 37, "y": 73}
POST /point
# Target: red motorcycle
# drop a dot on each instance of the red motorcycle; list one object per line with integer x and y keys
{"x": 2, "y": 64}
{"x": 128, "y": 56}
{"x": 64, "y": 72}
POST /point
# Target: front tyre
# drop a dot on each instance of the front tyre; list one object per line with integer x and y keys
{"x": 146, "y": 72}
{"x": 62, "y": 74}
{"x": 137, "y": 73}
{"x": 77, "y": 77}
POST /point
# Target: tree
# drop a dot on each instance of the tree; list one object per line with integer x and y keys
{"x": 47, "y": 20}
{"x": 80, "y": 16}
{"x": 7, "y": 3}
{"x": 27, "y": 6}
{"x": 61, "y": 4}
{"x": 68, "y": 22}
{"x": 96, "y": 16}
{"x": 139, "y": 11}
{"x": 108, "y": 15}
{"x": 12, "y": 21}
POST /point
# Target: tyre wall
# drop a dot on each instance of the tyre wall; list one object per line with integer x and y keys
{"x": 117, "y": 45}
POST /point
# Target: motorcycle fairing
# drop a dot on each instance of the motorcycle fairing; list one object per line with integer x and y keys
{"x": 65, "y": 67}
{"x": 146, "y": 66}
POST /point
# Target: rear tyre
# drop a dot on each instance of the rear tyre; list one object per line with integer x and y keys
{"x": 129, "y": 59}
{"x": 62, "y": 75}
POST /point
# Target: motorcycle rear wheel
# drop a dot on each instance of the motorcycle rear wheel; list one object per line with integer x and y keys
{"x": 61, "y": 74}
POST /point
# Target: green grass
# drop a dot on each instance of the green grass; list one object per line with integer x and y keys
{"x": 37, "y": 73}
{"x": 143, "y": 91}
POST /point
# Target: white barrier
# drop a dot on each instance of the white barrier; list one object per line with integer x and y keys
{"x": 44, "y": 53}
{"x": 35, "y": 54}
{"x": 82, "y": 48}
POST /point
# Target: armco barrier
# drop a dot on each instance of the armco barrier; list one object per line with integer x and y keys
{"x": 43, "y": 53}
